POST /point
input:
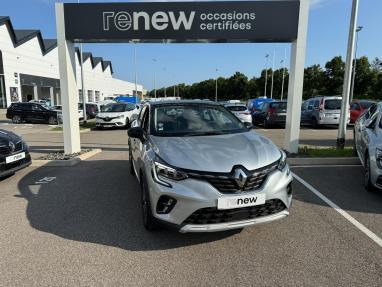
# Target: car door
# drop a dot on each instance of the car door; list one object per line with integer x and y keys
{"x": 141, "y": 144}
{"x": 355, "y": 111}
{"x": 37, "y": 114}
{"x": 368, "y": 133}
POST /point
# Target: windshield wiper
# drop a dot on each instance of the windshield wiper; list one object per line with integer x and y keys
{"x": 212, "y": 133}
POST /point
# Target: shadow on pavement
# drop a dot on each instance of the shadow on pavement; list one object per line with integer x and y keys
{"x": 98, "y": 202}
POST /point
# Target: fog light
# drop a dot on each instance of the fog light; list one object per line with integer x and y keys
{"x": 165, "y": 204}
{"x": 289, "y": 189}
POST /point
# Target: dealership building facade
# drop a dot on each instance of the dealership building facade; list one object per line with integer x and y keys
{"x": 29, "y": 70}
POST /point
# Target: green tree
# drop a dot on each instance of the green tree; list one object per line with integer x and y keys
{"x": 334, "y": 76}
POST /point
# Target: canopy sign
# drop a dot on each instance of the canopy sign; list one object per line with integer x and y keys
{"x": 247, "y": 21}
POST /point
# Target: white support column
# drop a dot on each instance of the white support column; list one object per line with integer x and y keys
{"x": 51, "y": 93}
{"x": 68, "y": 85}
{"x": 296, "y": 81}
{"x": 35, "y": 92}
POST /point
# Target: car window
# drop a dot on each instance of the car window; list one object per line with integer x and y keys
{"x": 194, "y": 120}
{"x": 366, "y": 104}
{"x": 145, "y": 120}
{"x": 114, "y": 108}
{"x": 140, "y": 117}
{"x": 333, "y": 104}
{"x": 304, "y": 106}
{"x": 372, "y": 110}
{"x": 265, "y": 107}
{"x": 130, "y": 107}
{"x": 354, "y": 106}
{"x": 37, "y": 108}
{"x": 279, "y": 106}
{"x": 316, "y": 103}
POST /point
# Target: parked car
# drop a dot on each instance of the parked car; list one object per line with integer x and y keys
{"x": 240, "y": 111}
{"x": 255, "y": 104}
{"x": 14, "y": 153}
{"x": 201, "y": 169}
{"x": 322, "y": 110}
{"x": 368, "y": 145}
{"x": 58, "y": 108}
{"x": 46, "y": 102}
{"x": 92, "y": 109}
{"x": 32, "y": 112}
{"x": 357, "y": 108}
{"x": 271, "y": 114}
{"x": 116, "y": 115}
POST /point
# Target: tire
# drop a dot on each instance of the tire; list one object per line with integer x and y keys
{"x": 265, "y": 123}
{"x": 314, "y": 123}
{"x": 149, "y": 221}
{"x": 131, "y": 162}
{"x": 52, "y": 120}
{"x": 16, "y": 119}
{"x": 367, "y": 178}
{"x": 354, "y": 145}
{"x": 127, "y": 125}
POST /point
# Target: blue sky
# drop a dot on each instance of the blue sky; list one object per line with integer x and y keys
{"x": 178, "y": 63}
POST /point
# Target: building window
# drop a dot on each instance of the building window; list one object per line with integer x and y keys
{"x": 96, "y": 96}
{"x": 80, "y": 96}
{"x": 90, "y": 96}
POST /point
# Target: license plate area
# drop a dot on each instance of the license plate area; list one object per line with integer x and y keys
{"x": 14, "y": 157}
{"x": 232, "y": 202}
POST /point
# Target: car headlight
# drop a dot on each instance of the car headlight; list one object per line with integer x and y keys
{"x": 120, "y": 117}
{"x": 161, "y": 171}
{"x": 282, "y": 161}
{"x": 378, "y": 157}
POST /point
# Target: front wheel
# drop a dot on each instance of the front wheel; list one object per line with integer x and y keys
{"x": 16, "y": 119}
{"x": 314, "y": 123}
{"x": 149, "y": 221}
{"x": 265, "y": 123}
{"x": 367, "y": 176}
{"x": 52, "y": 120}
{"x": 127, "y": 125}
{"x": 131, "y": 161}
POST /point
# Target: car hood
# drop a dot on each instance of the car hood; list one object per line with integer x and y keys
{"x": 110, "y": 115}
{"x": 217, "y": 153}
{"x": 7, "y": 136}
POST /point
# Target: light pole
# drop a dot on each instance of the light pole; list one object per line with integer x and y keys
{"x": 155, "y": 80}
{"x": 136, "y": 76}
{"x": 82, "y": 82}
{"x": 359, "y": 28}
{"x": 273, "y": 71}
{"x": 283, "y": 80}
{"x": 165, "y": 88}
{"x": 341, "y": 137}
{"x": 216, "y": 86}
{"x": 266, "y": 75}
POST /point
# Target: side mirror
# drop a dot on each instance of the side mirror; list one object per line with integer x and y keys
{"x": 136, "y": 132}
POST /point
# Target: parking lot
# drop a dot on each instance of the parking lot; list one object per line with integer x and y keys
{"x": 82, "y": 226}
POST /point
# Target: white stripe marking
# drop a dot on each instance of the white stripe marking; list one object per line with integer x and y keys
{"x": 264, "y": 130}
{"x": 326, "y": 165}
{"x": 351, "y": 219}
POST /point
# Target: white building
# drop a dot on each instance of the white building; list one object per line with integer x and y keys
{"x": 29, "y": 69}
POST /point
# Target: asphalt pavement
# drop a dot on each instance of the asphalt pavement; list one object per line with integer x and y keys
{"x": 81, "y": 226}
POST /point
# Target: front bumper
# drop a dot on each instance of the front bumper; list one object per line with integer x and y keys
{"x": 193, "y": 195}
{"x": 232, "y": 225}
{"x": 120, "y": 122}
{"x": 245, "y": 118}
{"x": 11, "y": 168}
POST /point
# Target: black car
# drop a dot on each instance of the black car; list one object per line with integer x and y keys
{"x": 14, "y": 153}
{"x": 271, "y": 114}
{"x": 32, "y": 112}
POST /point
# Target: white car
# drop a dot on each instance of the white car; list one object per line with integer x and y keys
{"x": 116, "y": 115}
{"x": 241, "y": 112}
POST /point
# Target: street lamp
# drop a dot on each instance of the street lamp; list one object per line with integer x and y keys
{"x": 82, "y": 82}
{"x": 165, "y": 88}
{"x": 155, "y": 80}
{"x": 266, "y": 75}
{"x": 216, "y": 86}
{"x": 136, "y": 76}
{"x": 273, "y": 71}
{"x": 283, "y": 80}
{"x": 359, "y": 28}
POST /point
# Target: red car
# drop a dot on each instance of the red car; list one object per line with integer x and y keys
{"x": 357, "y": 107}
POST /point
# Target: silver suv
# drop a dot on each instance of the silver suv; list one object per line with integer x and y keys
{"x": 368, "y": 145}
{"x": 200, "y": 169}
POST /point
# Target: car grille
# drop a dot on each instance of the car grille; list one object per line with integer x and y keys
{"x": 211, "y": 215}
{"x": 5, "y": 167}
{"x": 225, "y": 182}
{"x": 6, "y": 150}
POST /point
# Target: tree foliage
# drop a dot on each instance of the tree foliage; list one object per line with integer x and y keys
{"x": 327, "y": 80}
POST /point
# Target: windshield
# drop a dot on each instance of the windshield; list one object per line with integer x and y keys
{"x": 333, "y": 104}
{"x": 237, "y": 108}
{"x": 279, "y": 106}
{"x": 113, "y": 108}
{"x": 193, "y": 120}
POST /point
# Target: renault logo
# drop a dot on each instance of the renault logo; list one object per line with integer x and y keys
{"x": 240, "y": 177}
